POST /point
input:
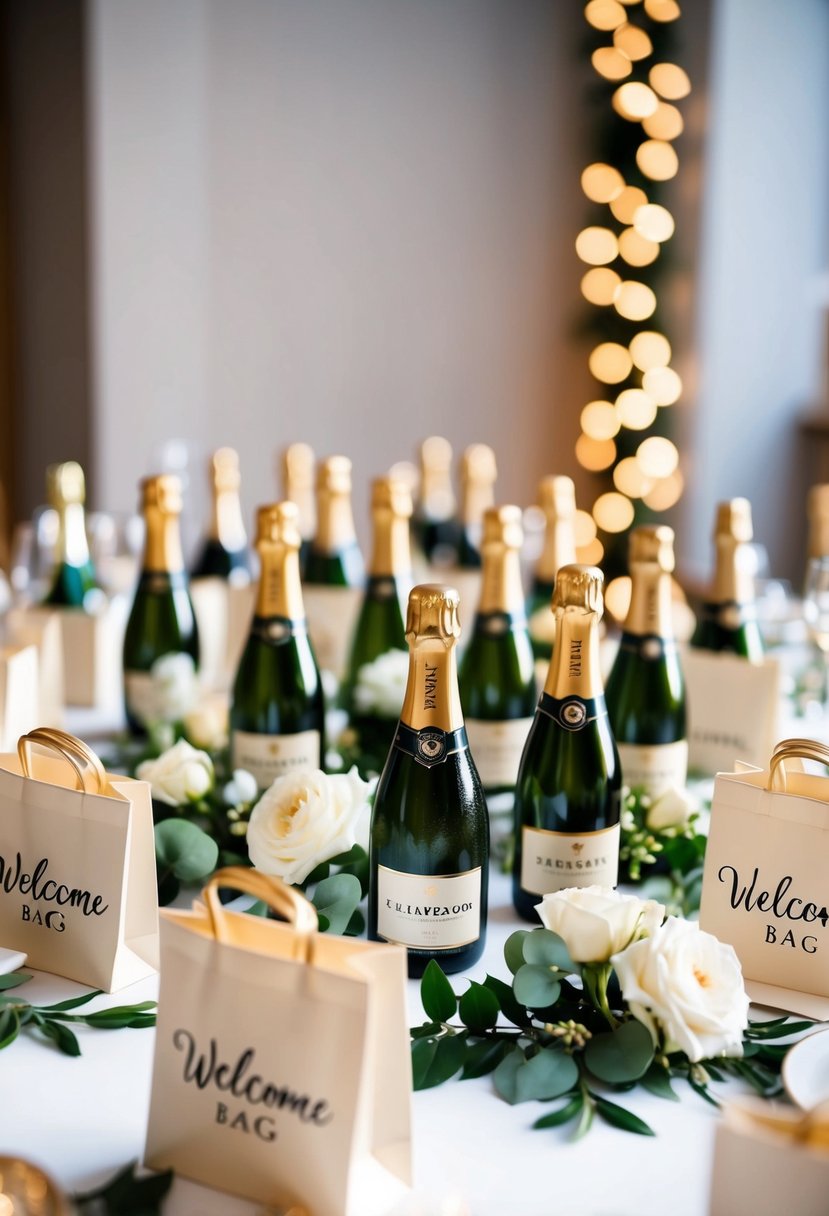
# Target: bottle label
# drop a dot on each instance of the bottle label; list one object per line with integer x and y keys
{"x": 496, "y": 748}
{"x": 331, "y": 613}
{"x": 656, "y": 766}
{"x": 429, "y": 911}
{"x": 431, "y": 745}
{"x": 551, "y": 861}
{"x": 270, "y": 756}
{"x": 572, "y": 713}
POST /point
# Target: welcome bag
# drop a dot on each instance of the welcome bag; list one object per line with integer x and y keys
{"x": 766, "y": 880}
{"x": 77, "y": 864}
{"x": 282, "y": 1069}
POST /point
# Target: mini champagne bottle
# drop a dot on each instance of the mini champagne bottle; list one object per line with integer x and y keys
{"x": 728, "y": 621}
{"x": 557, "y": 499}
{"x": 297, "y": 479}
{"x": 568, "y": 794}
{"x": 497, "y": 675}
{"x": 429, "y": 852}
{"x": 161, "y": 620}
{"x": 478, "y": 474}
{"x": 74, "y": 574}
{"x": 434, "y": 528}
{"x": 277, "y": 717}
{"x": 646, "y": 689}
{"x": 224, "y": 553}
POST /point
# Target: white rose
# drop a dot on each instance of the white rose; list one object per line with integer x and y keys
{"x": 206, "y": 726}
{"x": 672, "y": 809}
{"x": 175, "y": 687}
{"x": 381, "y": 685}
{"x": 595, "y": 922}
{"x": 182, "y": 774}
{"x": 690, "y": 984}
{"x": 242, "y": 788}
{"x": 305, "y": 818}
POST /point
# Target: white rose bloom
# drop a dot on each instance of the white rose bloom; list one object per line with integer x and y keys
{"x": 305, "y": 818}
{"x": 595, "y": 922}
{"x": 182, "y": 774}
{"x": 690, "y": 984}
{"x": 175, "y": 687}
{"x": 206, "y": 725}
{"x": 672, "y": 809}
{"x": 242, "y": 788}
{"x": 381, "y": 685}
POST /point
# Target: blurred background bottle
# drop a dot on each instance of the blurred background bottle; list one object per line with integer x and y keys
{"x": 224, "y": 553}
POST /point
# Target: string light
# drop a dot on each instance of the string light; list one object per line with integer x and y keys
{"x": 597, "y": 246}
{"x": 663, "y": 384}
{"x": 595, "y": 454}
{"x": 610, "y": 63}
{"x": 630, "y": 478}
{"x": 599, "y": 285}
{"x": 584, "y": 528}
{"x": 632, "y": 41}
{"x": 662, "y": 10}
{"x": 602, "y": 183}
{"x": 617, "y": 597}
{"x": 636, "y": 249}
{"x": 653, "y": 222}
{"x": 665, "y": 123}
{"x": 636, "y": 410}
{"x": 657, "y": 457}
{"x": 605, "y": 14}
{"x": 613, "y": 512}
{"x": 610, "y": 362}
{"x": 669, "y": 81}
{"x": 657, "y": 160}
{"x": 666, "y": 493}
{"x": 625, "y": 207}
{"x": 635, "y": 101}
{"x": 649, "y": 349}
{"x": 599, "y": 420}
{"x": 634, "y": 301}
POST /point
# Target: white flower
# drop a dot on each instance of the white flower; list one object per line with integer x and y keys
{"x": 381, "y": 685}
{"x": 672, "y": 809}
{"x": 595, "y": 922}
{"x": 182, "y": 774}
{"x": 242, "y": 788}
{"x": 305, "y": 818}
{"x": 206, "y": 725}
{"x": 175, "y": 687}
{"x": 690, "y": 984}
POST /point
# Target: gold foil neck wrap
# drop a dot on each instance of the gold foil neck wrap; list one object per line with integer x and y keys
{"x": 503, "y": 528}
{"x": 436, "y": 494}
{"x": 478, "y": 464}
{"x": 334, "y": 475}
{"x": 297, "y": 467}
{"x": 436, "y": 455}
{"x": 653, "y": 546}
{"x": 391, "y": 495}
{"x": 224, "y": 470}
{"x": 162, "y": 493}
{"x": 278, "y": 524}
{"x": 579, "y": 586}
{"x": 65, "y": 484}
{"x": 433, "y": 613}
{"x": 734, "y": 520}
{"x": 557, "y": 497}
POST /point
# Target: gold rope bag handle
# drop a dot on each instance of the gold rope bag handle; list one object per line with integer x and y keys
{"x": 795, "y": 749}
{"x": 88, "y": 770}
{"x": 295, "y": 908}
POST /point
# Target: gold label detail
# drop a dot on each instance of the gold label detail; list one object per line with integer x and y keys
{"x": 496, "y": 748}
{"x": 657, "y": 767}
{"x": 551, "y": 861}
{"x": 429, "y": 911}
{"x": 270, "y": 756}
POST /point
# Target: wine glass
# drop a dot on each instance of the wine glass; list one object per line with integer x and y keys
{"x": 816, "y": 612}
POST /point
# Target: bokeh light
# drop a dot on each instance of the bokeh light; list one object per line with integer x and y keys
{"x": 665, "y": 493}
{"x": 613, "y": 512}
{"x": 669, "y": 81}
{"x": 637, "y": 250}
{"x": 632, "y": 41}
{"x": 592, "y": 554}
{"x": 657, "y": 159}
{"x": 657, "y": 457}
{"x": 635, "y": 101}
{"x": 634, "y": 301}
{"x": 599, "y": 420}
{"x": 599, "y": 285}
{"x": 596, "y": 246}
{"x": 649, "y": 349}
{"x": 595, "y": 454}
{"x": 602, "y": 183}
{"x": 624, "y": 207}
{"x": 636, "y": 410}
{"x": 630, "y": 478}
{"x": 617, "y": 597}
{"x": 662, "y": 10}
{"x": 653, "y": 222}
{"x": 665, "y": 123}
{"x": 584, "y": 528}
{"x": 610, "y": 63}
{"x": 610, "y": 362}
{"x": 663, "y": 384}
{"x": 605, "y": 14}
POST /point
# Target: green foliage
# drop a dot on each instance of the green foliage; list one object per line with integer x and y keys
{"x": 668, "y": 862}
{"x": 49, "y": 1022}
{"x": 336, "y": 899}
{"x": 126, "y": 1194}
{"x": 183, "y": 854}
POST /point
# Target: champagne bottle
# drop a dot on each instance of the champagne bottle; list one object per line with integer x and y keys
{"x": 478, "y": 473}
{"x": 225, "y": 551}
{"x": 434, "y": 527}
{"x": 727, "y": 621}
{"x": 429, "y": 852}
{"x": 277, "y": 717}
{"x": 568, "y": 794}
{"x": 74, "y": 575}
{"x": 497, "y": 675}
{"x": 161, "y": 621}
{"x": 298, "y": 486}
{"x": 646, "y": 690}
{"x": 557, "y": 499}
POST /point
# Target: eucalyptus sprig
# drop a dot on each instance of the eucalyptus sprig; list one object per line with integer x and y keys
{"x": 51, "y": 1022}
{"x": 667, "y": 856}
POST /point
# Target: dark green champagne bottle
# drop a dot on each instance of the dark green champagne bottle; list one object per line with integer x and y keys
{"x": 435, "y": 530}
{"x": 557, "y": 499}
{"x": 225, "y": 553}
{"x": 74, "y": 575}
{"x": 568, "y": 795}
{"x": 334, "y": 574}
{"x": 728, "y": 621}
{"x": 646, "y": 689}
{"x": 161, "y": 620}
{"x": 497, "y": 674}
{"x": 429, "y": 852}
{"x": 297, "y": 480}
{"x": 277, "y": 716}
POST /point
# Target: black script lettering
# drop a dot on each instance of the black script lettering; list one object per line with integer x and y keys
{"x": 575, "y": 658}
{"x": 431, "y": 686}
{"x": 777, "y": 903}
{"x": 42, "y": 890}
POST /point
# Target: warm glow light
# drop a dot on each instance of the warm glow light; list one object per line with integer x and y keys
{"x": 665, "y": 494}
{"x": 634, "y": 301}
{"x": 610, "y": 63}
{"x": 629, "y": 477}
{"x": 634, "y": 101}
{"x": 613, "y": 512}
{"x": 605, "y": 14}
{"x": 632, "y": 41}
{"x": 599, "y": 420}
{"x": 596, "y": 246}
{"x": 653, "y": 222}
{"x": 628, "y": 203}
{"x": 657, "y": 159}
{"x": 650, "y": 349}
{"x": 617, "y": 597}
{"x": 636, "y": 409}
{"x": 595, "y": 454}
{"x": 610, "y": 362}
{"x": 599, "y": 285}
{"x": 592, "y": 554}
{"x": 666, "y": 123}
{"x": 669, "y": 81}
{"x": 602, "y": 183}
{"x": 662, "y": 10}
{"x": 584, "y": 528}
{"x": 657, "y": 457}
{"x": 636, "y": 249}
{"x": 663, "y": 384}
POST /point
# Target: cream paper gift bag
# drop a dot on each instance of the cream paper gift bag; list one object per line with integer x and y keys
{"x": 40, "y": 627}
{"x": 733, "y": 709}
{"x": 18, "y": 693}
{"x": 765, "y": 887}
{"x": 282, "y": 1069}
{"x": 77, "y": 864}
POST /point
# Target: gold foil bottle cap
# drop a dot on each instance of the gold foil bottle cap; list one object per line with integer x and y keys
{"x": 65, "y": 483}
{"x": 557, "y": 497}
{"x": 436, "y": 454}
{"x": 298, "y": 465}
{"x": 278, "y": 524}
{"x": 224, "y": 469}
{"x": 478, "y": 464}
{"x": 162, "y": 492}
{"x": 393, "y": 495}
{"x": 334, "y": 475}
{"x": 579, "y": 587}
{"x": 433, "y": 612}
{"x": 734, "y": 520}
{"x": 503, "y": 528}
{"x": 818, "y": 501}
{"x": 653, "y": 546}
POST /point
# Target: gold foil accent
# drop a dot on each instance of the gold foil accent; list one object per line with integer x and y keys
{"x": 278, "y": 541}
{"x": 391, "y": 509}
{"x": 162, "y": 504}
{"x": 734, "y": 520}
{"x": 433, "y": 613}
{"x": 478, "y": 474}
{"x": 277, "y": 524}
{"x": 335, "y": 521}
{"x": 65, "y": 484}
{"x": 651, "y": 563}
{"x": 579, "y": 586}
{"x": 432, "y": 628}
{"x": 503, "y": 536}
{"x": 502, "y": 528}
{"x": 577, "y": 602}
{"x": 224, "y": 470}
{"x": 653, "y": 546}
{"x": 227, "y": 525}
{"x": 733, "y": 580}
{"x": 162, "y": 493}
{"x": 297, "y": 474}
{"x": 557, "y": 498}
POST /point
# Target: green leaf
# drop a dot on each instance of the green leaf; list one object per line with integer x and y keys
{"x": 484, "y": 1056}
{"x": 585, "y": 1120}
{"x": 703, "y": 1092}
{"x": 423, "y": 1053}
{"x": 758, "y": 1031}
{"x": 126, "y": 1195}
{"x": 336, "y": 898}
{"x": 657, "y": 1081}
{"x": 436, "y": 993}
{"x": 564, "y": 1113}
{"x": 514, "y": 950}
{"x": 547, "y": 949}
{"x": 62, "y": 1036}
{"x": 257, "y": 908}
{"x": 356, "y": 926}
{"x": 479, "y": 1008}
{"x": 13, "y": 980}
{"x": 73, "y": 1002}
{"x": 9, "y": 1026}
{"x": 427, "y": 1031}
{"x": 548, "y": 1074}
{"x": 617, "y": 1116}
{"x": 510, "y": 1008}
{"x": 185, "y": 850}
{"x": 504, "y": 1076}
{"x": 536, "y": 987}
{"x": 621, "y": 1055}
{"x": 443, "y": 1063}
{"x": 120, "y": 1016}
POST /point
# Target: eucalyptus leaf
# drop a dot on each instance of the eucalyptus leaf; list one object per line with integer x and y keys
{"x": 439, "y": 1000}
{"x": 623, "y": 1054}
{"x": 484, "y": 1056}
{"x": 336, "y": 898}
{"x": 564, "y": 1114}
{"x": 657, "y": 1081}
{"x": 510, "y": 1008}
{"x": 257, "y": 908}
{"x": 618, "y": 1116}
{"x": 13, "y": 980}
{"x": 445, "y": 1061}
{"x": 548, "y": 1074}
{"x": 504, "y": 1077}
{"x": 547, "y": 949}
{"x": 423, "y": 1053}
{"x": 479, "y": 1008}
{"x": 184, "y": 850}
{"x": 536, "y": 987}
{"x": 62, "y": 1036}
{"x": 514, "y": 950}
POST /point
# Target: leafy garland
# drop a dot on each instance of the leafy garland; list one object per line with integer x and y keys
{"x": 51, "y": 1022}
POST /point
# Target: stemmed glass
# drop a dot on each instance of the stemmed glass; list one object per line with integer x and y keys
{"x": 816, "y": 612}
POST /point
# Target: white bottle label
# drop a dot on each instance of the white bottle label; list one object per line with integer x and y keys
{"x": 429, "y": 911}
{"x": 271, "y": 756}
{"x": 657, "y": 767}
{"x": 496, "y": 748}
{"x": 551, "y": 861}
{"x": 331, "y": 613}
{"x": 165, "y": 694}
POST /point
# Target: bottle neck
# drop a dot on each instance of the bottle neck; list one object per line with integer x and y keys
{"x": 162, "y": 551}
{"x": 280, "y": 589}
{"x": 478, "y": 497}
{"x": 574, "y": 667}
{"x": 335, "y": 525}
{"x": 437, "y": 499}
{"x": 303, "y": 497}
{"x": 432, "y": 697}
{"x": 73, "y": 547}
{"x": 227, "y": 525}
{"x": 559, "y": 549}
{"x": 733, "y": 582}
{"x": 391, "y": 551}
{"x": 650, "y": 602}
{"x": 819, "y": 536}
{"x": 501, "y": 586}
